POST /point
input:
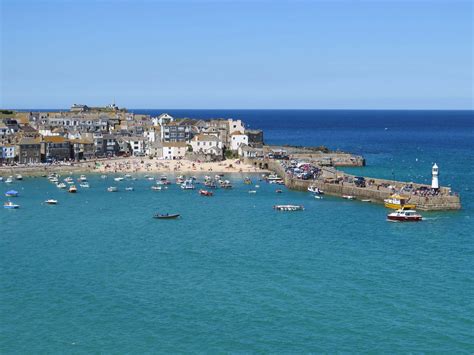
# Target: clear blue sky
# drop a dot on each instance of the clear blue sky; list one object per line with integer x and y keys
{"x": 237, "y": 54}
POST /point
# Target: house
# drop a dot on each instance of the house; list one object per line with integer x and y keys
{"x": 236, "y": 139}
{"x": 137, "y": 145}
{"x": 162, "y": 119}
{"x": 246, "y": 151}
{"x": 155, "y": 149}
{"x": 177, "y": 131}
{"x": 110, "y": 145}
{"x": 82, "y": 148}
{"x": 206, "y": 144}
{"x": 7, "y": 153}
{"x": 29, "y": 150}
{"x": 174, "y": 150}
{"x": 55, "y": 148}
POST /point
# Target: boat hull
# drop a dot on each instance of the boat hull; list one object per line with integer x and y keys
{"x": 405, "y": 218}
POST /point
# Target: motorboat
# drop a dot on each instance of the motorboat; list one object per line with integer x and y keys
{"x": 11, "y": 193}
{"x": 10, "y": 205}
{"x": 129, "y": 188}
{"x": 404, "y": 215}
{"x": 69, "y": 180}
{"x": 278, "y": 191}
{"x": 19, "y": 177}
{"x": 84, "y": 185}
{"x": 61, "y": 185}
{"x": 397, "y": 202}
{"x": 112, "y": 189}
{"x": 54, "y": 180}
{"x": 318, "y": 197}
{"x": 257, "y": 186}
{"x": 82, "y": 178}
{"x": 9, "y": 180}
{"x": 273, "y": 177}
{"x": 188, "y": 185}
{"x": 1, "y": 178}
{"x": 151, "y": 178}
{"x": 51, "y": 202}
{"x": 205, "y": 193}
{"x": 288, "y": 208}
{"x": 118, "y": 178}
{"x": 103, "y": 176}
{"x": 166, "y": 216}
{"x": 247, "y": 181}
{"x": 211, "y": 184}
{"x": 156, "y": 188}
{"x": 72, "y": 189}
{"x": 226, "y": 184}
{"x": 366, "y": 200}
{"x": 127, "y": 176}
{"x": 315, "y": 190}
{"x": 348, "y": 197}
{"x": 180, "y": 179}
{"x": 252, "y": 191}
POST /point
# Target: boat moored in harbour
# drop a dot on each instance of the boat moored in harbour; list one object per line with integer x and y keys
{"x": 397, "y": 202}
{"x": 10, "y": 205}
{"x": 404, "y": 215}
{"x": 205, "y": 193}
{"x": 112, "y": 189}
{"x": 315, "y": 190}
{"x": 72, "y": 189}
{"x": 166, "y": 216}
{"x": 288, "y": 207}
{"x": 51, "y": 202}
{"x": 11, "y": 193}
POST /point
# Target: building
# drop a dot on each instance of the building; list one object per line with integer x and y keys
{"x": 7, "y": 153}
{"x": 236, "y": 139}
{"x": 255, "y": 137}
{"x": 246, "y": 151}
{"x": 137, "y": 145}
{"x": 155, "y": 149}
{"x": 207, "y": 144}
{"x": 177, "y": 131}
{"x": 162, "y": 119}
{"x": 29, "y": 150}
{"x": 110, "y": 145}
{"x": 79, "y": 108}
{"x": 174, "y": 150}
{"x": 55, "y": 148}
{"x": 82, "y": 148}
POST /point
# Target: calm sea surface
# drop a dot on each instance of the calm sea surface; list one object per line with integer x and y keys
{"x": 97, "y": 274}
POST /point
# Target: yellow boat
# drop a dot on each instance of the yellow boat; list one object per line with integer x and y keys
{"x": 397, "y": 202}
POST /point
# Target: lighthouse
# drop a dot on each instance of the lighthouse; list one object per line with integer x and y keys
{"x": 434, "y": 179}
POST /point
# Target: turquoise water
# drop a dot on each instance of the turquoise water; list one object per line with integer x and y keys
{"x": 98, "y": 273}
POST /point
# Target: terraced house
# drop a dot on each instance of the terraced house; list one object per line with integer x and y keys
{"x": 55, "y": 148}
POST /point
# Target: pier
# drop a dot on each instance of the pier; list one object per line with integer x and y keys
{"x": 338, "y": 183}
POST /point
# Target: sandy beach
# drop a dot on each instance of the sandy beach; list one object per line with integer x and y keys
{"x": 133, "y": 165}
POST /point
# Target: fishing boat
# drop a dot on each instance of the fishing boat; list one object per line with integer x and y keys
{"x": 82, "y": 178}
{"x": 348, "y": 197}
{"x": 118, "y": 178}
{"x": 205, "y": 193}
{"x": 188, "y": 185}
{"x": 404, "y": 215}
{"x": 156, "y": 188}
{"x": 112, "y": 189}
{"x": 129, "y": 188}
{"x": 315, "y": 190}
{"x": 61, "y": 185}
{"x": 10, "y": 205}
{"x": 288, "y": 208}
{"x": 397, "y": 202}
{"x": 72, "y": 189}
{"x": 11, "y": 193}
{"x": 51, "y": 202}
{"x": 84, "y": 185}
{"x": 19, "y": 177}
{"x": 166, "y": 216}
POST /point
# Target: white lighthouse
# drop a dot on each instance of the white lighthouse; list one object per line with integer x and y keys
{"x": 434, "y": 179}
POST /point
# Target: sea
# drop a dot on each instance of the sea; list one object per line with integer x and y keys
{"x": 97, "y": 274}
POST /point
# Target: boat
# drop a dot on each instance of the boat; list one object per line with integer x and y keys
{"x": 278, "y": 191}
{"x": 315, "y": 190}
{"x": 10, "y": 205}
{"x": 156, "y": 188}
{"x": 397, "y": 202}
{"x": 257, "y": 186}
{"x": 166, "y": 216}
{"x": 180, "y": 179}
{"x": 61, "y": 185}
{"x": 404, "y": 215}
{"x": 151, "y": 178}
{"x": 11, "y": 193}
{"x": 318, "y": 197}
{"x": 366, "y": 200}
{"x": 72, "y": 189}
{"x": 205, "y": 193}
{"x": 288, "y": 208}
{"x": 118, "y": 178}
{"x": 188, "y": 185}
{"x": 112, "y": 189}
{"x": 19, "y": 177}
{"x": 211, "y": 184}
{"x": 273, "y": 177}
{"x": 226, "y": 184}
{"x": 252, "y": 191}
{"x": 9, "y": 180}
{"x": 51, "y": 202}
{"x": 69, "y": 180}
{"x": 54, "y": 180}
{"x": 127, "y": 176}
{"x": 84, "y": 185}
{"x": 103, "y": 176}
{"x": 247, "y": 181}
{"x": 1, "y": 178}
{"x": 130, "y": 188}
{"x": 348, "y": 197}
{"x": 82, "y": 178}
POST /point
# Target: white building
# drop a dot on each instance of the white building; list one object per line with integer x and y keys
{"x": 137, "y": 145}
{"x": 237, "y": 138}
{"x": 174, "y": 150}
{"x": 206, "y": 144}
{"x": 161, "y": 119}
{"x": 8, "y": 152}
{"x": 235, "y": 126}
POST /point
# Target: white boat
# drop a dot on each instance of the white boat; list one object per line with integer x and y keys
{"x": 61, "y": 185}
{"x": 19, "y": 177}
{"x": 348, "y": 197}
{"x": 1, "y": 178}
{"x": 82, "y": 178}
{"x": 51, "y": 202}
{"x": 69, "y": 180}
{"x": 226, "y": 184}
{"x": 156, "y": 188}
{"x": 252, "y": 191}
{"x": 103, "y": 176}
{"x": 366, "y": 200}
{"x": 127, "y": 176}
{"x": 112, "y": 189}
{"x": 188, "y": 185}
{"x": 72, "y": 189}
{"x": 84, "y": 185}
{"x": 315, "y": 190}
{"x": 404, "y": 215}
{"x": 54, "y": 180}
{"x": 273, "y": 177}
{"x": 257, "y": 186}
{"x": 130, "y": 188}
{"x": 318, "y": 197}
{"x": 288, "y": 207}
{"x": 118, "y": 178}
{"x": 9, "y": 180}
{"x": 10, "y": 205}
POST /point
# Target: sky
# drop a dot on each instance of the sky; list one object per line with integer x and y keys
{"x": 237, "y": 54}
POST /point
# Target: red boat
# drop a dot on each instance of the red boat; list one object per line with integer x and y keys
{"x": 404, "y": 216}
{"x": 205, "y": 193}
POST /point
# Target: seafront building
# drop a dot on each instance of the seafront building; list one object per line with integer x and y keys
{"x": 87, "y": 132}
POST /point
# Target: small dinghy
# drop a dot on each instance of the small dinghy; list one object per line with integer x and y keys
{"x": 156, "y": 188}
{"x": 51, "y": 202}
{"x": 252, "y": 191}
{"x": 112, "y": 189}
{"x": 11, "y": 193}
{"x": 166, "y": 216}
{"x": 129, "y": 188}
{"x": 205, "y": 193}
{"x": 10, "y": 205}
